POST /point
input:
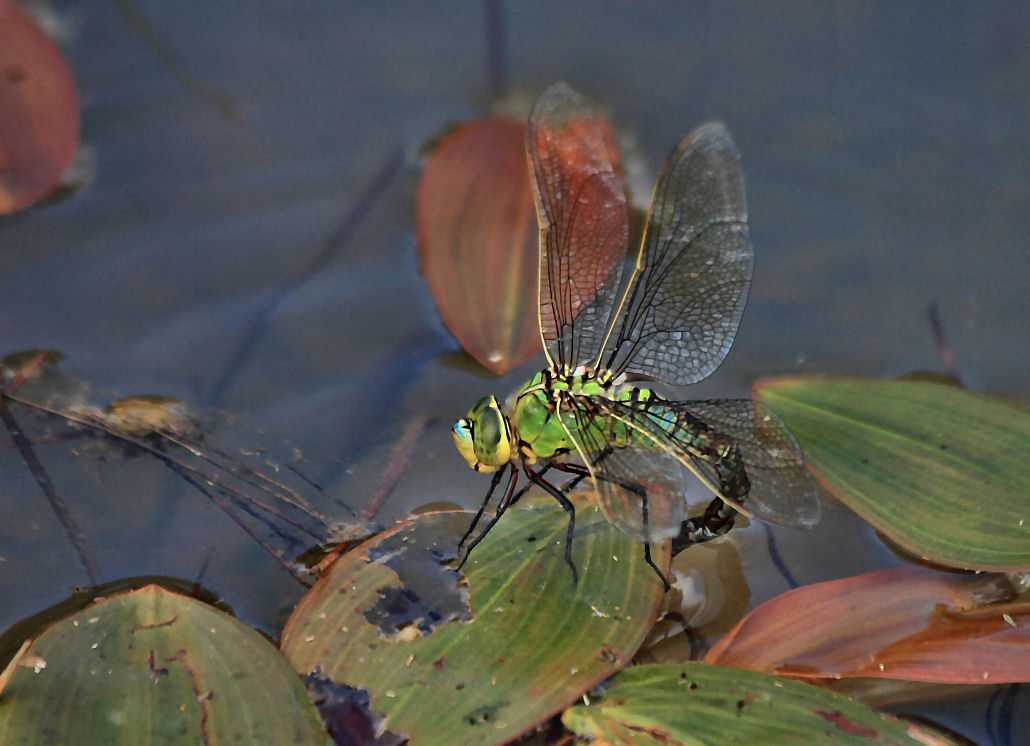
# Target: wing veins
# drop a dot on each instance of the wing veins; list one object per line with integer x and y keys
{"x": 686, "y": 459}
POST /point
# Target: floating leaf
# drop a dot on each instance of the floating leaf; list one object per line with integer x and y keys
{"x": 39, "y": 112}
{"x": 939, "y": 470}
{"x": 27, "y": 365}
{"x": 693, "y": 703}
{"x": 448, "y": 664}
{"x": 904, "y": 623}
{"x": 149, "y": 414}
{"x": 477, "y": 235}
{"x": 151, "y": 666}
{"x": 477, "y": 241}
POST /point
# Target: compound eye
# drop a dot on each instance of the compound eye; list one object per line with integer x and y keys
{"x": 490, "y": 434}
{"x": 462, "y": 434}
{"x": 491, "y": 428}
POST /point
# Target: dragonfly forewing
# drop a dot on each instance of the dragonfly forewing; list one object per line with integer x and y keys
{"x": 685, "y": 299}
{"x": 584, "y": 225}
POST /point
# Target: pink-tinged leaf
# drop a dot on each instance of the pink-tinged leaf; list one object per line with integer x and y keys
{"x": 581, "y": 203}
{"x": 478, "y": 237}
{"x": 477, "y": 241}
{"x": 39, "y": 112}
{"x": 908, "y": 623}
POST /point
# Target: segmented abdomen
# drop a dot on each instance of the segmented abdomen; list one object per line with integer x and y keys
{"x": 687, "y": 436}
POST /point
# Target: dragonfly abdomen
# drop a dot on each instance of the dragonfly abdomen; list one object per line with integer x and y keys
{"x": 688, "y": 438}
{"x": 688, "y": 434}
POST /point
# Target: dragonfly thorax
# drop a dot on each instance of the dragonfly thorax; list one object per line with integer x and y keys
{"x": 542, "y": 417}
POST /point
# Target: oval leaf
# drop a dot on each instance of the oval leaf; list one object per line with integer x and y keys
{"x": 39, "y": 112}
{"x": 904, "y": 623}
{"x": 392, "y": 618}
{"x": 693, "y": 703}
{"x": 151, "y": 666}
{"x": 939, "y": 470}
{"x": 475, "y": 226}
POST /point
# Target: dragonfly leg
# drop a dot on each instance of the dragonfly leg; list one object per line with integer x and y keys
{"x": 647, "y": 545}
{"x": 479, "y": 513}
{"x": 518, "y": 495}
{"x": 649, "y": 561}
{"x": 580, "y": 471}
{"x": 501, "y": 507}
{"x": 568, "y": 507}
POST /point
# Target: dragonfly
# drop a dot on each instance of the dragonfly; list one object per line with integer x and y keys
{"x": 673, "y": 322}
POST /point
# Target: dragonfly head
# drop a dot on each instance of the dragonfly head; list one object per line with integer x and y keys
{"x": 484, "y": 437}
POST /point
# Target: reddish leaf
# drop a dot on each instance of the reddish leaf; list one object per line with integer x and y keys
{"x": 39, "y": 112}
{"x": 582, "y": 207}
{"x": 905, "y": 623}
{"x": 477, "y": 235}
{"x": 477, "y": 241}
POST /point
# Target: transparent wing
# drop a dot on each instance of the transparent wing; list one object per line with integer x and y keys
{"x": 629, "y": 477}
{"x": 684, "y": 301}
{"x": 781, "y": 490}
{"x": 584, "y": 225}
{"x": 675, "y": 439}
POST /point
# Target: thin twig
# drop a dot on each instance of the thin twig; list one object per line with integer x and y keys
{"x": 259, "y": 322}
{"x": 13, "y": 664}
{"x": 250, "y": 476}
{"x": 225, "y": 106}
{"x": 71, "y": 527}
{"x": 777, "y": 560}
{"x": 196, "y": 479}
{"x": 943, "y": 348}
{"x": 197, "y": 581}
{"x": 399, "y": 455}
{"x": 239, "y": 522}
{"x": 496, "y": 48}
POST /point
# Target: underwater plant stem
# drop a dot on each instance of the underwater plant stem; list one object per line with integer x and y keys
{"x": 57, "y": 504}
{"x": 399, "y": 455}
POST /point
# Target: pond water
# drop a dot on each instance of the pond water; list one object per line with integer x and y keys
{"x": 244, "y": 243}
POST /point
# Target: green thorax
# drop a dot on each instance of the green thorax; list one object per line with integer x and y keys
{"x": 541, "y": 436}
{"x": 534, "y": 419}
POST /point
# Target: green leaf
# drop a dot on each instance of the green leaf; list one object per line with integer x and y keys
{"x": 941, "y": 471}
{"x": 392, "y": 618}
{"x": 693, "y": 703}
{"x": 151, "y": 666}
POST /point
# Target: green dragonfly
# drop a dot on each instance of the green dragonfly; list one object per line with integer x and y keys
{"x": 672, "y": 322}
